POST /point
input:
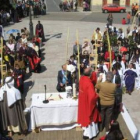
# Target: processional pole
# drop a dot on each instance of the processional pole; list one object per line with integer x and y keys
{"x": 134, "y": 19}
{"x": 77, "y": 38}
{"x": 67, "y": 44}
{"x": 1, "y": 61}
{"x": 109, "y": 50}
{"x": 68, "y": 33}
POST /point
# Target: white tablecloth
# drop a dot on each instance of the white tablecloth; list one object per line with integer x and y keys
{"x": 55, "y": 115}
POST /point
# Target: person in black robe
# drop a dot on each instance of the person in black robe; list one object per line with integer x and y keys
{"x": 40, "y": 31}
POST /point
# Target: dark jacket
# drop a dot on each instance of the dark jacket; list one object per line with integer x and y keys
{"x": 60, "y": 78}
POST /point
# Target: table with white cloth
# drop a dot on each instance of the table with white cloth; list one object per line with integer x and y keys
{"x": 56, "y": 115}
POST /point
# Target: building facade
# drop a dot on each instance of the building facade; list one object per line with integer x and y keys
{"x": 100, "y": 3}
{"x": 119, "y": 2}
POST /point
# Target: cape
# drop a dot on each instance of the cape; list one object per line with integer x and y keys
{"x": 87, "y": 103}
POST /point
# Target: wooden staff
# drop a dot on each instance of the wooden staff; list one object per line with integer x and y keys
{"x": 109, "y": 50}
{"x": 134, "y": 19}
{"x": 77, "y": 39}
{"x": 1, "y": 61}
{"x": 68, "y": 33}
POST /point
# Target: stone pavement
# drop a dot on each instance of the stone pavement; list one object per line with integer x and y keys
{"x": 54, "y": 55}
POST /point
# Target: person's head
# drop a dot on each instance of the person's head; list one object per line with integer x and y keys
{"x": 18, "y": 34}
{"x": 120, "y": 30}
{"x": 123, "y": 18}
{"x": 23, "y": 35}
{"x": 115, "y": 132}
{"x": 25, "y": 28}
{"x": 10, "y": 41}
{"x": 98, "y": 30}
{"x": 16, "y": 66}
{"x": 118, "y": 58}
{"x": 109, "y": 76}
{"x": 38, "y": 22}
{"x": 87, "y": 71}
{"x": 128, "y": 12}
{"x": 114, "y": 71}
{"x": 117, "y": 66}
{"x": 137, "y": 52}
{"x": 72, "y": 58}
{"x": 82, "y": 65}
{"x": 76, "y": 43}
{"x": 22, "y": 30}
{"x": 20, "y": 40}
{"x": 64, "y": 67}
{"x": 100, "y": 69}
{"x": 130, "y": 65}
{"x": 101, "y": 44}
{"x": 135, "y": 27}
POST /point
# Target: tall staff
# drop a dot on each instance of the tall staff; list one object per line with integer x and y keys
{"x": 134, "y": 19}
{"x": 67, "y": 44}
{"x": 77, "y": 39}
{"x": 109, "y": 50}
{"x": 1, "y": 60}
{"x": 68, "y": 32}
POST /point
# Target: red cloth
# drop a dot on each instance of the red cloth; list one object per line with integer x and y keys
{"x": 31, "y": 63}
{"x": 123, "y": 21}
{"x": 107, "y": 56}
{"x": 93, "y": 77}
{"x": 102, "y": 138}
{"x": 87, "y": 103}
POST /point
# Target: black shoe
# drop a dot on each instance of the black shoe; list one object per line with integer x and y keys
{"x": 85, "y": 137}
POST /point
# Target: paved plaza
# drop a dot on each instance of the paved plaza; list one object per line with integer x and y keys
{"x": 54, "y": 55}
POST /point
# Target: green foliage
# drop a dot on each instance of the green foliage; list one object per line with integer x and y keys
{"x": 113, "y": 40}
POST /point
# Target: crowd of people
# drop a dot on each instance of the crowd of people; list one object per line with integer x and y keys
{"x": 68, "y": 5}
{"x": 117, "y": 71}
{"x": 21, "y": 10}
{"x": 134, "y": 8}
{"x": 21, "y": 57}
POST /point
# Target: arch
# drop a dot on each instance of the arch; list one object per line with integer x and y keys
{"x": 127, "y": 2}
{"x": 116, "y": 2}
{"x": 104, "y": 2}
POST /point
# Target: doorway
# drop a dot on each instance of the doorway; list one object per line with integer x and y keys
{"x": 104, "y": 2}
{"x": 117, "y": 2}
{"x": 127, "y": 2}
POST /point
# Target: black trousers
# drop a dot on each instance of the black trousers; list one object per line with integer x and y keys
{"x": 106, "y": 115}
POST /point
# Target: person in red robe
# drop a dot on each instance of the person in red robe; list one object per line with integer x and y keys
{"x": 107, "y": 58}
{"x": 88, "y": 114}
{"x": 123, "y": 21}
{"x": 93, "y": 77}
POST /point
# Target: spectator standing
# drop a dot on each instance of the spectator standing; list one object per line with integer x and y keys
{"x": 133, "y": 9}
{"x": 107, "y": 98}
{"x": 110, "y": 19}
{"x": 136, "y": 8}
{"x": 128, "y": 17}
